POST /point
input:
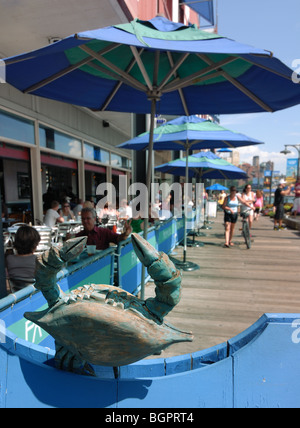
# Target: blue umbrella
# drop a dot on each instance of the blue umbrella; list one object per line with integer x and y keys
{"x": 225, "y": 151}
{"x": 206, "y": 165}
{"x": 186, "y": 70}
{"x": 190, "y": 133}
{"x": 216, "y": 187}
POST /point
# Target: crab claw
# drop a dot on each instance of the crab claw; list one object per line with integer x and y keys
{"x": 50, "y": 263}
{"x": 159, "y": 265}
{"x": 166, "y": 277}
{"x": 73, "y": 248}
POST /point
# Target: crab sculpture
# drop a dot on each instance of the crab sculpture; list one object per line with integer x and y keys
{"x": 102, "y": 324}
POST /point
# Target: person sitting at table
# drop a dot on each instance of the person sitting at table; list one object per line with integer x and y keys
{"x": 137, "y": 224}
{"x": 78, "y": 207}
{"x": 107, "y": 212}
{"x": 99, "y": 236}
{"x": 52, "y": 216}
{"x": 22, "y": 264}
{"x": 125, "y": 211}
{"x": 66, "y": 211}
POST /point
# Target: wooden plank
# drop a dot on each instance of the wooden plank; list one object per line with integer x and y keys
{"x": 235, "y": 286}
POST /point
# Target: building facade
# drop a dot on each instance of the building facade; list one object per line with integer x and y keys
{"x": 47, "y": 144}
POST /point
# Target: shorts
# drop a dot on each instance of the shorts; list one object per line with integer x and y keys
{"x": 231, "y": 218}
{"x": 279, "y": 214}
{"x": 296, "y": 206}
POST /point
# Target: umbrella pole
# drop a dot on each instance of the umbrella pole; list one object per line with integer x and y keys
{"x": 185, "y": 265}
{"x": 185, "y": 205}
{"x": 148, "y": 184}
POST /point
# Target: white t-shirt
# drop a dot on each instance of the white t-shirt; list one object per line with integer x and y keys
{"x": 51, "y": 217}
{"x": 248, "y": 198}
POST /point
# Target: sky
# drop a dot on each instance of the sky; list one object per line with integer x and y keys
{"x": 273, "y": 25}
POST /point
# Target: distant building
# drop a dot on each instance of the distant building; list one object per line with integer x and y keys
{"x": 256, "y": 161}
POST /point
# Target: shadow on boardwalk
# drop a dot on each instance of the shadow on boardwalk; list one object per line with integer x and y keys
{"x": 235, "y": 286}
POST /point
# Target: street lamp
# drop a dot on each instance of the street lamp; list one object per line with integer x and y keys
{"x": 287, "y": 152}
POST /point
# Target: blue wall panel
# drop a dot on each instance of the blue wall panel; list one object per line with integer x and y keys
{"x": 267, "y": 370}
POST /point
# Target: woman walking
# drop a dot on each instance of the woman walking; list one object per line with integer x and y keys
{"x": 230, "y": 207}
{"x": 249, "y": 197}
{"x": 259, "y": 203}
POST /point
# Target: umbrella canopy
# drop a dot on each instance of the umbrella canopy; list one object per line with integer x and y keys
{"x": 205, "y": 167}
{"x": 216, "y": 187}
{"x": 225, "y": 151}
{"x": 189, "y": 71}
{"x": 190, "y": 133}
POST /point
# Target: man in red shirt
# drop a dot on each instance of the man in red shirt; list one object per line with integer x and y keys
{"x": 100, "y": 236}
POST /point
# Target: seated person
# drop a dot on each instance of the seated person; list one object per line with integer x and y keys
{"x": 22, "y": 264}
{"x": 99, "y": 236}
{"x": 125, "y": 211}
{"x": 78, "y": 207}
{"x": 66, "y": 211}
{"x": 137, "y": 224}
{"x": 52, "y": 217}
{"x": 108, "y": 212}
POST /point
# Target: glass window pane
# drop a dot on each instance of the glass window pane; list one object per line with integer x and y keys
{"x": 55, "y": 140}
{"x": 116, "y": 160}
{"x": 95, "y": 153}
{"x": 104, "y": 156}
{"x": 16, "y": 128}
{"x": 88, "y": 151}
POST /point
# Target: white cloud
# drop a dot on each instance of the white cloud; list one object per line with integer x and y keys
{"x": 238, "y": 119}
{"x": 247, "y": 154}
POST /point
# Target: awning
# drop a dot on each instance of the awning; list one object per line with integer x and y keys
{"x": 204, "y": 8}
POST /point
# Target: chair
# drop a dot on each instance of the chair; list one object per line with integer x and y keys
{"x": 17, "y": 284}
{"x": 17, "y": 225}
{"x": 7, "y": 242}
{"x": 62, "y": 230}
{"x": 46, "y": 238}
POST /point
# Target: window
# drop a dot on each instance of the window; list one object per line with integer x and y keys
{"x": 119, "y": 161}
{"x": 116, "y": 160}
{"x": 95, "y": 153}
{"x": 16, "y": 128}
{"x": 55, "y": 140}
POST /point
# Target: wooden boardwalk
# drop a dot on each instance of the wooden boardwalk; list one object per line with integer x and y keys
{"x": 235, "y": 286}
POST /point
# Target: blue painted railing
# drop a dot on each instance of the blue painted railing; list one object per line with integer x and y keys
{"x": 259, "y": 368}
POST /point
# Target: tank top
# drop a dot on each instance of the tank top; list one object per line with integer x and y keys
{"x": 247, "y": 198}
{"x": 233, "y": 204}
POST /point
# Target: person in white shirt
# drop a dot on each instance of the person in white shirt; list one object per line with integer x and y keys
{"x": 249, "y": 197}
{"x": 125, "y": 211}
{"x": 52, "y": 217}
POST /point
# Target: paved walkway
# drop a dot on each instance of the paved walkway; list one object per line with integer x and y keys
{"x": 235, "y": 286}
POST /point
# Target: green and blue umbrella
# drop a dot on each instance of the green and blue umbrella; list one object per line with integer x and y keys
{"x": 187, "y": 70}
{"x": 205, "y": 166}
{"x": 190, "y": 133}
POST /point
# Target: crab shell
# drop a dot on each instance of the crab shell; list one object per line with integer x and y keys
{"x": 107, "y": 331}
